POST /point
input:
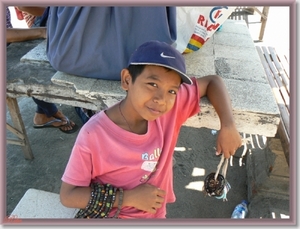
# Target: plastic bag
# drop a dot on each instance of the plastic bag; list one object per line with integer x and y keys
{"x": 195, "y": 25}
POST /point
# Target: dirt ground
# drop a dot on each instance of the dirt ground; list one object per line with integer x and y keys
{"x": 194, "y": 155}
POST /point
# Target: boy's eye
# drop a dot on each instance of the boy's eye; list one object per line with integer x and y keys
{"x": 153, "y": 84}
{"x": 173, "y": 92}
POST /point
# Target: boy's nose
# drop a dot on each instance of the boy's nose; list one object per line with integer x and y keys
{"x": 159, "y": 97}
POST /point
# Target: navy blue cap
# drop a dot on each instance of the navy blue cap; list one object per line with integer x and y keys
{"x": 161, "y": 54}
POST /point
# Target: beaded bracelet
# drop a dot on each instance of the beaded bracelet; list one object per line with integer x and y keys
{"x": 97, "y": 203}
{"x": 110, "y": 201}
{"x": 101, "y": 202}
{"x": 120, "y": 203}
{"x": 89, "y": 210}
{"x": 113, "y": 198}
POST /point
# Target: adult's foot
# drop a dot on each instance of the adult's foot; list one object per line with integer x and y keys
{"x": 68, "y": 124}
{"x": 40, "y": 120}
{"x": 58, "y": 120}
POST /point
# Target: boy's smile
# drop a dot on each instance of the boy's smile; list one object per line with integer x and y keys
{"x": 154, "y": 92}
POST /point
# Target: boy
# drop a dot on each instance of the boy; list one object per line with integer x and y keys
{"x": 121, "y": 163}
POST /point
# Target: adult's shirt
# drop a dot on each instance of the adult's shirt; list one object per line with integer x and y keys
{"x": 97, "y": 42}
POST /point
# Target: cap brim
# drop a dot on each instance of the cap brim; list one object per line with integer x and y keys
{"x": 183, "y": 76}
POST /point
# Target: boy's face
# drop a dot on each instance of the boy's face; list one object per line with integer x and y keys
{"x": 154, "y": 92}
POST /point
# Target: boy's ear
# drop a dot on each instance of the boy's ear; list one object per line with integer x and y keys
{"x": 125, "y": 79}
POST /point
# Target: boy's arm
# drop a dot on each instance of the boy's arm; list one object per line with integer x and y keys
{"x": 145, "y": 197}
{"x": 229, "y": 139}
{"x": 74, "y": 197}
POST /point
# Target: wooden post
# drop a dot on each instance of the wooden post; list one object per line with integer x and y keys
{"x": 18, "y": 128}
{"x": 263, "y": 20}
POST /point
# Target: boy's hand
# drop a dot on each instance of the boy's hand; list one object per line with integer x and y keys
{"x": 228, "y": 141}
{"x": 145, "y": 197}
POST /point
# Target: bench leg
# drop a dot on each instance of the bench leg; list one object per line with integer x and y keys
{"x": 264, "y": 18}
{"x": 18, "y": 128}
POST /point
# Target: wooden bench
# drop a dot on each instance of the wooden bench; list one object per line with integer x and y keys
{"x": 243, "y": 12}
{"x": 276, "y": 66}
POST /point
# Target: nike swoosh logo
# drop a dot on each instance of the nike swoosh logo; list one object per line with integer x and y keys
{"x": 164, "y": 56}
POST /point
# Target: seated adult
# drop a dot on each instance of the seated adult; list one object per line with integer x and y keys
{"x": 47, "y": 114}
{"x": 96, "y": 42}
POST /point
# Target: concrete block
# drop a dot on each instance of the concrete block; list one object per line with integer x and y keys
{"x": 207, "y": 49}
{"x": 238, "y": 53}
{"x": 108, "y": 88}
{"x": 235, "y": 27}
{"x": 235, "y": 40}
{"x": 37, "y": 55}
{"x": 248, "y": 71}
{"x": 245, "y": 94}
{"x": 41, "y": 204}
{"x": 81, "y": 84}
{"x": 198, "y": 65}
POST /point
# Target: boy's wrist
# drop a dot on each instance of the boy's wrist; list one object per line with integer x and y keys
{"x": 227, "y": 122}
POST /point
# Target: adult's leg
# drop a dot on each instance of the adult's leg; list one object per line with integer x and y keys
{"x": 49, "y": 109}
{"x": 47, "y": 112}
{"x": 84, "y": 114}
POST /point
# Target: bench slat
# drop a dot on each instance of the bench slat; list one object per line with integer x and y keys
{"x": 284, "y": 61}
{"x": 278, "y": 80}
{"x": 280, "y": 68}
{"x": 284, "y": 125}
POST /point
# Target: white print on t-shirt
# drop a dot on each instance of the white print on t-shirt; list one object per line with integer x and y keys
{"x": 153, "y": 156}
{"x": 144, "y": 178}
{"x": 149, "y": 165}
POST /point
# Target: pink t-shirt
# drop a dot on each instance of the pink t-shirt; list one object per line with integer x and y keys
{"x": 106, "y": 153}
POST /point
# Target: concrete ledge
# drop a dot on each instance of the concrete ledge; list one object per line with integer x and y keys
{"x": 229, "y": 53}
{"x": 41, "y": 204}
{"x": 37, "y": 55}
